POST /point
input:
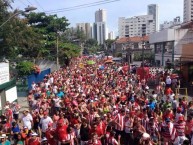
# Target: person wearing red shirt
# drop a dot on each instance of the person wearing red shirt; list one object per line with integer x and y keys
{"x": 34, "y": 140}
{"x": 96, "y": 130}
{"x": 168, "y": 91}
{"x": 61, "y": 130}
{"x": 94, "y": 140}
{"x": 168, "y": 114}
{"x": 50, "y": 133}
{"x": 189, "y": 127}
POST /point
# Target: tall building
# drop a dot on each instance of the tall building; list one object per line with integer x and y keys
{"x": 111, "y": 35}
{"x": 152, "y": 9}
{"x": 99, "y": 32}
{"x": 100, "y": 15}
{"x": 188, "y": 10}
{"x": 136, "y": 26}
{"x": 86, "y": 28}
{"x": 170, "y": 24}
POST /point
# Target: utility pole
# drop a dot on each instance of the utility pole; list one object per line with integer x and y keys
{"x": 57, "y": 58}
{"x": 143, "y": 54}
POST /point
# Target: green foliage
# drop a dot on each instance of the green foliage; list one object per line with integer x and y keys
{"x": 108, "y": 43}
{"x": 25, "y": 68}
{"x": 34, "y": 35}
{"x": 68, "y": 51}
{"x": 119, "y": 54}
{"x": 147, "y": 56}
{"x": 91, "y": 43}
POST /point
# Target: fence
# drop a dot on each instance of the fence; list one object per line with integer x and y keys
{"x": 182, "y": 92}
{"x": 37, "y": 77}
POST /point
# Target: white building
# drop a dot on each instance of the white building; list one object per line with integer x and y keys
{"x": 152, "y": 9}
{"x": 171, "y": 44}
{"x": 136, "y": 26}
{"x": 101, "y": 15}
{"x": 99, "y": 32}
{"x": 111, "y": 35}
{"x": 169, "y": 24}
{"x": 188, "y": 10}
{"x": 86, "y": 28}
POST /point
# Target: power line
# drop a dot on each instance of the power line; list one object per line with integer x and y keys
{"x": 23, "y": 3}
{"x": 29, "y": 2}
{"x": 81, "y": 6}
{"x": 39, "y": 5}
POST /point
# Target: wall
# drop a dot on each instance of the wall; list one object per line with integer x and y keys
{"x": 162, "y": 36}
{"x": 37, "y": 77}
{"x": 182, "y": 36}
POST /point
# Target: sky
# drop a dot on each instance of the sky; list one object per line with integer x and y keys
{"x": 168, "y": 9}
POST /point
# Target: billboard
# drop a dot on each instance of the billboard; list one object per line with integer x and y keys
{"x": 4, "y": 73}
{"x": 11, "y": 94}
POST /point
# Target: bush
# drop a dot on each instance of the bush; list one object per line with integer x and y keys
{"x": 25, "y": 68}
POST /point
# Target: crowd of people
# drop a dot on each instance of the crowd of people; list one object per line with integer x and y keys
{"x": 99, "y": 104}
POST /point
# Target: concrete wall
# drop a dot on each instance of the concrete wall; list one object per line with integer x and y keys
{"x": 162, "y": 36}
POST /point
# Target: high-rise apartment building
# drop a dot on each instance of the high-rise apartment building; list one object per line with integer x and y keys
{"x": 101, "y": 15}
{"x": 188, "y": 10}
{"x": 169, "y": 24}
{"x": 152, "y": 9}
{"x": 99, "y": 27}
{"x": 111, "y": 35}
{"x": 136, "y": 26}
{"x": 99, "y": 32}
{"x": 139, "y": 25}
{"x": 86, "y": 28}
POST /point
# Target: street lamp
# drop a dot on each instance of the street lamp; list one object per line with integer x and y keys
{"x": 28, "y": 9}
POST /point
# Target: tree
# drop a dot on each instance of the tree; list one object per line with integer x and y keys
{"x": 91, "y": 43}
{"x": 108, "y": 43}
{"x": 25, "y": 68}
{"x": 16, "y": 37}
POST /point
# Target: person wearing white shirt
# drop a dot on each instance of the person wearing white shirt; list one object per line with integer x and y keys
{"x": 44, "y": 122}
{"x": 46, "y": 85}
{"x": 57, "y": 103}
{"x": 168, "y": 81}
{"x": 51, "y": 80}
{"x": 27, "y": 119}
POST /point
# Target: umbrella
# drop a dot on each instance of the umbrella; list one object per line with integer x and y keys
{"x": 109, "y": 61}
{"x": 81, "y": 65}
{"x": 101, "y": 67}
{"x": 91, "y": 62}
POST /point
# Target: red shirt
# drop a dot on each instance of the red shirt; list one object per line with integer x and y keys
{"x": 97, "y": 142}
{"x": 170, "y": 116}
{"x": 188, "y": 128}
{"x": 49, "y": 133}
{"x": 34, "y": 142}
{"x": 61, "y": 131}
{"x": 98, "y": 131}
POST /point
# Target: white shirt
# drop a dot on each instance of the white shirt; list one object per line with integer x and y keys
{"x": 44, "y": 122}
{"x": 51, "y": 80}
{"x": 33, "y": 86}
{"x": 127, "y": 124}
{"x": 27, "y": 121}
{"x": 56, "y": 102}
{"x": 168, "y": 81}
{"x": 46, "y": 85}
